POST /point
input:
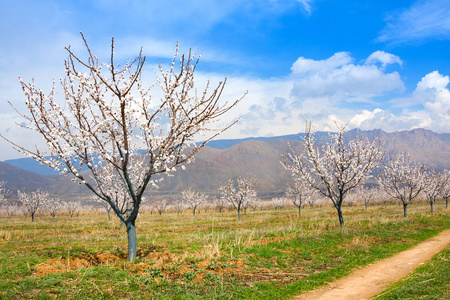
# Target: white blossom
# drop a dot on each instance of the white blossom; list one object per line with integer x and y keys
{"x": 110, "y": 119}
{"x": 336, "y": 167}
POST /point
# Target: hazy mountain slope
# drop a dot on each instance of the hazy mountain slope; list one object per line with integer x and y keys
{"x": 424, "y": 146}
{"x": 255, "y": 159}
{"x": 259, "y": 160}
{"x": 18, "y": 179}
{"x": 24, "y": 180}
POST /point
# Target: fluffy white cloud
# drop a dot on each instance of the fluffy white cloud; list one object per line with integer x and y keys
{"x": 383, "y": 58}
{"x": 323, "y": 91}
{"x": 431, "y": 93}
{"x": 338, "y": 78}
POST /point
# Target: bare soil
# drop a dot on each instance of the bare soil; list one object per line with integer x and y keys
{"x": 373, "y": 279}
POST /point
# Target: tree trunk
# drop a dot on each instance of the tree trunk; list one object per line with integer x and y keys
{"x": 446, "y": 202}
{"x": 365, "y": 204}
{"x": 405, "y": 205}
{"x": 193, "y": 211}
{"x": 341, "y": 218}
{"x": 132, "y": 241}
{"x": 32, "y": 217}
{"x": 432, "y": 204}
{"x": 239, "y": 214}
{"x": 299, "y": 210}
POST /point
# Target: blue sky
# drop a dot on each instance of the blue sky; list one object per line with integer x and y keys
{"x": 374, "y": 64}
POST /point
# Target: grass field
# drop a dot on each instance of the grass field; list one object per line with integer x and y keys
{"x": 267, "y": 255}
{"x": 430, "y": 281}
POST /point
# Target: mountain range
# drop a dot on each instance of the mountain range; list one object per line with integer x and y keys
{"x": 221, "y": 160}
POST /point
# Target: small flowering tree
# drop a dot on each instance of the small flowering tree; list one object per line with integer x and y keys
{"x": 238, "y": 196}
{"x": 4, "y": 192}
{"x": 160, "y": 204}
{"x": 279, "y": 203}
{"x": 73, "y": 208}
{"x": 193, "y": 199}
{"x": 54, "y": 205}
{"x": 444, "y": 187}
{"x": 334, "y": 168}
{"x": 365, "y": 194}
{"x": 382, "y": 195}
{"x": 110, "y": 118}
{"x": 104, "y": 205}
{"x": 299, "y": 194}
{"x": 32, "y": 202}
{"x": 180, "y": 206}
{"x": 350, "y": 198}
{"x": 402, "y": 179}
{"x": 431, "y": 189}
{"x": 9, "y": 207}
{"x": 220, "y": 204}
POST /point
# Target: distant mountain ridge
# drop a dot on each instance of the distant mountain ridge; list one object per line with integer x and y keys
{"x": 227, "y": 143}
{"x": 31, "y": 165}
{"x": 257, "y": 158}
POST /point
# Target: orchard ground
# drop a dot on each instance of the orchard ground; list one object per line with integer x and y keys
{"x": 269, "y": 254}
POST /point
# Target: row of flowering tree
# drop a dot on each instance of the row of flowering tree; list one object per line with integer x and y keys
{"x": 337, "y": 167}
{"x": 30, "y": 203}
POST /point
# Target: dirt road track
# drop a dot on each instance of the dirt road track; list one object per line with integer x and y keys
{"x": 373, "y": 279}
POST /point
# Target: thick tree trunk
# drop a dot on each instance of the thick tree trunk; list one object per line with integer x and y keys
{"x": 132, "y": 241}
{"x": 432, "y": 205}
{"x": 239, "y": 214}
{"x": 299, "y": 210}
{"x": 32, "y": 217}
{"x": 365, "y": 203}
{"x": 405, "y": 205}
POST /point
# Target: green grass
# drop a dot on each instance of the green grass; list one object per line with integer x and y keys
{"x": 429, "y": 281}
{"x": 267, "y": 255}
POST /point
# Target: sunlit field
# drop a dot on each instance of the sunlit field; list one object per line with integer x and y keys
{"x": 272, "y": 254}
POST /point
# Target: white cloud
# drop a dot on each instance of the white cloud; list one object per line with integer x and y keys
{"x": 431, "y": 93}
{"x": 305, "y": 66}
{"x": 323, "y": 91}
{"x": 433, "y": 81}
{"x": 384, "y": 58}
{"x": 338, "y": 78}
{"x": 423, "y": 20}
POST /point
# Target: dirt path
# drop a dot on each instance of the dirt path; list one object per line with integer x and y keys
{"x": 373, "y": 279}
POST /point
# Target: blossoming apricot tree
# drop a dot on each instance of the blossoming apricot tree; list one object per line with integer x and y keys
{"x": 336, "y": 167}
{"x": 110, "y": 118}
{"x": 402, "y": 179}
{"x": 239, "y": 196}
